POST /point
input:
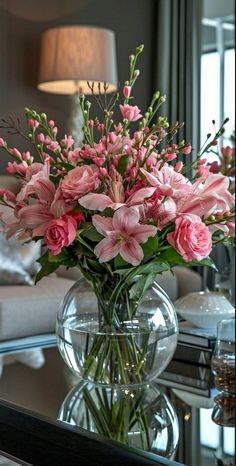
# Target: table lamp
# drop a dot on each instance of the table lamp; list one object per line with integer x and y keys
{"x": 72, "y": 57}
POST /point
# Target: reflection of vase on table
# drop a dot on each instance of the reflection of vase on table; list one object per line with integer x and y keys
{"x": 139, "y": 416}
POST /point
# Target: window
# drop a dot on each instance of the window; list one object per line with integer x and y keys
{"x": 217, "y": 79}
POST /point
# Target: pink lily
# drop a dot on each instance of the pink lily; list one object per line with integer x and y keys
{"x": 123, "y": 233}
{"x": 93, "y": 201}
{"x": 170, "y": 182}
{"x": 205, "y": 198}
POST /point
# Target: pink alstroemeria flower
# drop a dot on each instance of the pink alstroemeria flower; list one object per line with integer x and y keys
{"x": 123, "y": 233}
{"x": 130, "y": 112}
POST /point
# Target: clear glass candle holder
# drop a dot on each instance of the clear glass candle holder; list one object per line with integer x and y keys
{"x": 223, "y": 358}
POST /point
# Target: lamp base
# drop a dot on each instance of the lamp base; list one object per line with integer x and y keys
{"x": 76, "y": 121}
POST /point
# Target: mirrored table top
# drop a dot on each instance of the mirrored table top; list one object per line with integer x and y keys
{"x": 177, "y": 416}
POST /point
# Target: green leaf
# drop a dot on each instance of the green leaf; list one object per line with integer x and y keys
{"x": 122, "y": 164}
{"x": 153, "y": 267}
{"x": 150, "y": 248}
{"x": 96, "y": 266}
{"x": 50, "y": 263}
{"x": 121, "y": 264}
{"x": 89, "y": 231}
{"x": 171, "y": 256}
{"x": 45, "y": 270}
{"x": 139, "y": 288}
{"x": 204, "y": 262}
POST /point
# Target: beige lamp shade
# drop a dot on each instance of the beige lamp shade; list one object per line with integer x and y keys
{"x": 73, "y": 55}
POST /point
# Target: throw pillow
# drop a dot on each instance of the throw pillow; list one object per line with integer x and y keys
{"x": 18, "y": 264}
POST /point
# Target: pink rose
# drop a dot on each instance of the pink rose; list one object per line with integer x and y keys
{"x": 130, "y": 112}
{"x": 59, "y": 233}
{"x": 80, "y": 181}
{"x": 191, "y": 238}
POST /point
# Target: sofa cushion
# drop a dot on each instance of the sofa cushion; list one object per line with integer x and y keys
{"x": 31, "y": 310}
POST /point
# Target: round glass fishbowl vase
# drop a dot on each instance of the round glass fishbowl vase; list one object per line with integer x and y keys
{"x": 111, "y": 345}
{"x": 141, "y": 416}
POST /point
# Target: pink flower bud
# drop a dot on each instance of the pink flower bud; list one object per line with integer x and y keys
{"x": 32, "y": 123}
{"x": 91, "y": 123}
{"x": 16, "y": 153}
{"x": 126, "y": 91}
{"x": 215, "y": 167}
{"x": 118, "y": 128}
{"x": 214, "y": 142}
{"x": 26, "y": 156}
{"x": 103, "y": 171}
{"x": 178, "y": 166}
{"x": 100, "y": 127}
{"x": 41, "y": 138}
{"x": 187, "y": 149}
{"x": 227, "y": 152}
{"x": 202, "y": 161}
{"x": 2, "y": 143}
{"x": 51, "y": 124}
{"x": 170, "y": 156}
{"x": 112, "y": 137}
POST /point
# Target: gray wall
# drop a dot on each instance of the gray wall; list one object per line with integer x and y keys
{"x": 21, "y": 25}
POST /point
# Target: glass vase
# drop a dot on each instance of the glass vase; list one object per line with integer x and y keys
{"x": 120, "y": 341}
{"x": 141, "y": 416}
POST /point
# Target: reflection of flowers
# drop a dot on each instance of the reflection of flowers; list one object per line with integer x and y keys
{"x": 142, "y": 417}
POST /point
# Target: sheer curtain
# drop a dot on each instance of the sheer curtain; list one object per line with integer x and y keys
{"x": 177, "y": 59}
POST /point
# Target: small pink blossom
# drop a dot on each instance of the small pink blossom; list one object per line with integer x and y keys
{"x": 7, "y": 195}
{"x": 53, "y": 146}
{"x": 60, "y": 233}
{"x": 51, "y": 124}
{"x": 130, "y": 113}
{"x": 67, "y": 142}
{"x": 123, "y": 235}
{"x": 14, "y": 168}
{"x": 203, "y": 171}
{"x": 191, "y": 238}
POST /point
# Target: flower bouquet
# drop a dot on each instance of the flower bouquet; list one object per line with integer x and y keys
{"x": 123, "y": 208}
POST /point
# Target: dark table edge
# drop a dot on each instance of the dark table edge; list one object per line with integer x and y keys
{"x": 41, "y": 441}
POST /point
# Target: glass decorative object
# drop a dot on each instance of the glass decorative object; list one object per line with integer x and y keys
{"x": 125, "y": 338}
{"x": 140, "y": 416}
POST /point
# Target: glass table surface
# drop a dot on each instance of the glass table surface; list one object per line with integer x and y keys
{"x": 190, "y": 427}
